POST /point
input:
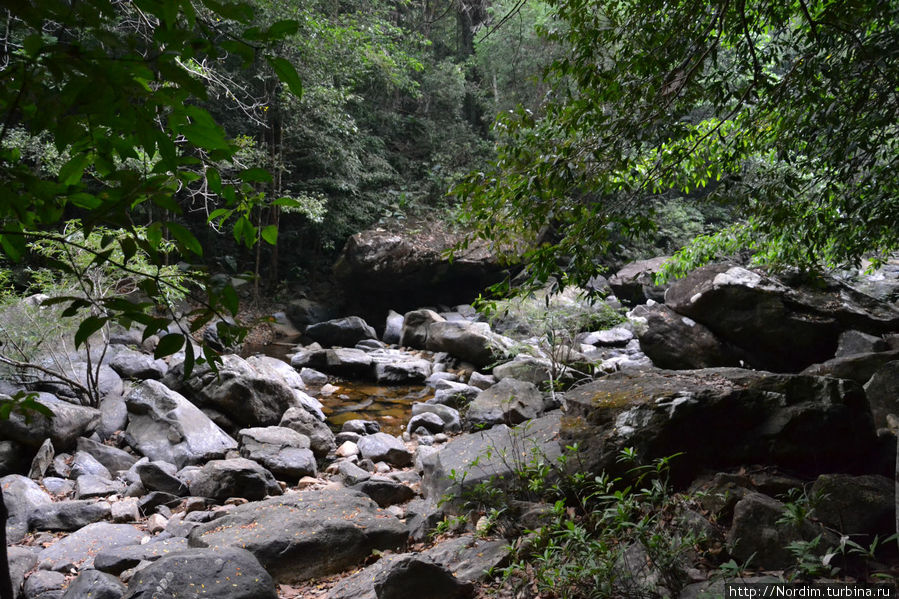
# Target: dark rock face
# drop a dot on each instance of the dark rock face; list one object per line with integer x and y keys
{"x": 721, "y": 417}
{"x": 320, "y": 436}
{"x": 237, "y": 477}
{"x": 21, "y": 496}
{"x": 302, "y": 536}
{"x": 675, "y": 341}
{"x": 411, "y": 576}
{"x": 856, "y": 505}
{"x": 69, "y": 422}
{"x": 222, "y": 573}
{"x": 341, "y": 332}
{"x": 634, "y": 282}
{"x": 507, "y": 402}
{"x": 100, "y": 536}
{"x": 67, "y": 515}
{"x": 95, "y": 585}
{"x": 378, "y": 270}
{"x": 883, "y": 392}
{"x": 780, "y": 328}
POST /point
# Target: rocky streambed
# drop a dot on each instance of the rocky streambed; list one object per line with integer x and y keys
{"x": 238, "y": 484}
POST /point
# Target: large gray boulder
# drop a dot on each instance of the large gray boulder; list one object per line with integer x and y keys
{"x": 490, "y": 456}
{"x": 21, "y": 560}
{"x": 69, "y": 422}
{"x": 95, "y": 585}
{"x": 236, "y": 477}
{"x": 859, "y": 506}
{"x": 381, "y": 447}
{"x": 321, "y": 438}
{"x": 392, "y": 367}
{"x": 163, "y": 425}
{"x": 412, "y": 576}
{"x": 507, "y": 402}
{"x": 341, "y": 332}
{"x": 118, "y": 559}
{"x": 275, "y": 368}
{"x": 68, "y": 515}
{"x": 79, "y": 548}
{"x": 132, "y": 364}
{"x": 301, "y": 536}
{"x": 721, "y": 417}
{"x": 220, "y": 573}
{"x": 416, "y": 324}
{"x": 249, "y": 396}
{"x": 281, "y": 450}
{"x": 678, "y": 342}
{"x": 780, "y": 324}
{"x": 22, "y": 496}
{"x": 634, "y": 283}
{"x": 472, "y": 342}
{"x": 112, "y": 458}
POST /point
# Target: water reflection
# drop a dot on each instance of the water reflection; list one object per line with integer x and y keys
{"x": 391, "y": 406}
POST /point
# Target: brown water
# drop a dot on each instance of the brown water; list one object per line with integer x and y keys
{"x": 390, "y": 406}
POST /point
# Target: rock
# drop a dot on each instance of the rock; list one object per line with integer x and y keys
{"x": 347, "y": 449}
{"x": 492, "y": 455}
{"x": 237, "y": 477}
{"x": 384, "y": 491}
{"x": 857, "y": 367}
{"x": 393, "y": 328}
{"x": 21, "y": 496}
{"x": 508, "y": 402}
{"x": 125, "y": 510}
{"x": 378, "y": 269}
{"x": 13, "y": 457}
{"x": 383, "y": 447}
{"x": 303, "y": 312}
{"x": 44, "y": 585}
{"x": 154, "y": 500}
{"x": 160, "y": 476}
{"x": 67, "y": 515}
{"x": 117, "y": 560}
{"x": 308, "y": 535}
{"x": 452, "y": 421}
{"x": 472, "y": 342}
{"x": 42, "y": 460}
{"x": 113, "y": 459}
{"x": 412, "y": 576}
{"x": 95, "y": 585}
{"x": 721, "y": 417}
{"x": 79, "y": 548}
{"x": 165, "y": 426}
{"x": 617, "y": 336}
{"x": 361, "y": 427}
{"x": 313, "y": 377}
{"x": 882, "y": 390}
{"x": 283, "y": 451}
{"x": 21, "y": 560}
{"x": 432, "y": 422}
{"x": 156, "y": 523}
{"x": 113, "y": 416}
{"x": 856, "y": 342}
{"x": 247, "y": 395}
{"x": 347, "y": 362}
{"x": 108, "y": 382}
{"x": 68, "y": 423}
{"x": 855, "y": 505}
{"x": 525, "y": 368}
{"x": 678, "y": 342}
{"x": 132, "y": 364}
{"x": 92, "y": 485}
{"x": 58, "y": 486}
{"x": 341, "y": 332}
{"x": 220, "y": 573}
{"x": 481, "y": 381}
{"x": 396, "y": 368}
{"x": 757, "y": 533}
{"x": 84, "y": 463}
{"x": 779, "y": 324}
{"x": 634, "y": 283}
{"x": 455, "y": 394}
{"x": 275, "y": 368}
{"x": 321, "y": 439}
{"x": 350, "y": 473}
{"x": 415, "y": 327}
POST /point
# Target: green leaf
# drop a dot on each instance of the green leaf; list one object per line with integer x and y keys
{"x": 282, "y": 28}
{"x": 202, "y": 130}
{"x": 256, "y": 175}
{"x": 219, "y": 213}
{"x": 168, "y": 345}
{"x": 72, "y": 171}
{"x": 88, "y": 327}
{"x": 270, "y": 234}
{"x": 33, "y": 44}
{"x": 230, "y": 299}
{"x": 185, "y": 238}
{"x": 287, "y": 74}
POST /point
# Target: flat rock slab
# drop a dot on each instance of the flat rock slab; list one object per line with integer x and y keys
{"x": 117, "y": 560}
{"x": 305, "y": 535}
{"x": 226, "y": 573}
{"x": 79, "y": 549}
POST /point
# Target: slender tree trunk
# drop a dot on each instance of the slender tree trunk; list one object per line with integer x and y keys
{"x": 5, "y": 578}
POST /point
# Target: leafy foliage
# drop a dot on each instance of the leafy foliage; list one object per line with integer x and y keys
{"x": 787, "y": 111}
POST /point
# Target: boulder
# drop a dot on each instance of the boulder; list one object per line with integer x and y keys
{"x": 393, "y": 328}
{"x": 112, "y": 458}
{"x": 301, "y": 536}
{"x": 384, "y": 491}
{"x": 427, "y": 420}
{"x": 617, "y": 336}
{"x": 160, "y": 476}
{"x": 392, "y": 367}
{"x": 678, "y": 342}
{"x": 247, "y": 395}
{"x": 856, "y": 505}
{"x": 92, "y": 485}
{"x": 113, "y": 416}
{"x": 21, "y": 496}
{"x": 378, "y": 270}
{"x": 108, "y": 382}
{"x": 44, "y": 585}
{"x": 84, "y": 463}
{"x": 275, "y": 368}
{"x": 79, "y": 548}
{"x": 95, "y": 585}
{"x": 472, "y": 342}
{"x": 341, "y": 361}
{"x": 361, "y": 427}
{"x": 452, "y": 420}
{"x": 117, "y": 560}
{"x": 43, "y": 459}
{"x": 283, "y": 451}
{"x": 21, "y": 560}
{"x": 525, "y": 368}
{"x": 313, "y": 377}
{"x": 411, "y": 576}
{"x": 857, "y": 367}
{"x": 415, "y": 327}
{"x": 67, "y": 515}
{"x": 634, "y": 283}
{"x": 780, "y": 323}
{"x": 132, "y": 364}
{"x": 303, "y": 312}
{"x": 14, "y": 456}
{"x": 341, "y": 332}
{"x": 163, "y": 425}
{"x": 490, "y": 456}
{"x": 220, "y": 573}
{"x": 381, "y": 447}
{"x": 236, "y": 477}
{"x": 321, "y": 439}
{"x": 856, "y": 342}
{"x": 507, "y": 402}
{"x": 720, "y": 417}
{"x": 69, "y": 422}
{"x": 882, "y": 390}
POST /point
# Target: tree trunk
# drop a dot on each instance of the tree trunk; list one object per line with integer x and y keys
{"x": 5, "y": 579}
